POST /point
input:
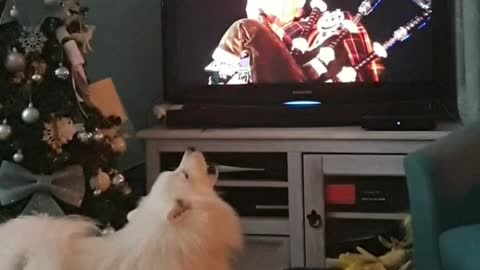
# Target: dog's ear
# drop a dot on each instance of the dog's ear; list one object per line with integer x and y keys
{"x": 179, "y": 209}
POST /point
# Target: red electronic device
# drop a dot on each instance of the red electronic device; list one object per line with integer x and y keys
{"x": 341, "y": 194}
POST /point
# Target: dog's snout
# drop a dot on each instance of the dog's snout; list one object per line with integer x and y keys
{"x": 191, "y": 149}
{"x": 212, "y": 170}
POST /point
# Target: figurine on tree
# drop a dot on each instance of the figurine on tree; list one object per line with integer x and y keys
{"x": 55, "y": 143}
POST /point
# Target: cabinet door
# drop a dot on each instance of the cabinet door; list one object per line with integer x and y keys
{"x": 314, "y": 210}
{"x": 264, "y": 253}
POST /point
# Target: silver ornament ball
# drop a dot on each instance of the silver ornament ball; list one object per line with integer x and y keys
{"x": 14, "y": 12}
{"x": 118, "y": 179}
{"x": 84, "y": 136}
{"x": 15, "y": 62}
{"x": 93, "y": 182}
{"x": 30, "y": 115}
{"x": 18, "y": 157}
{"x": 5, "y": 131}
{"x": 62, "y": 73}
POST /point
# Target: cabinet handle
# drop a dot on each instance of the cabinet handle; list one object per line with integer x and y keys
{"x": 314, "y": 219}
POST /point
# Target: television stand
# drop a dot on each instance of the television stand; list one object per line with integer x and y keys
{"x": 303, "y": 161}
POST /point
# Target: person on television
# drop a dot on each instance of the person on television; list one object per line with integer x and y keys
{"x": 255, "y": 40}
{"x": 263, "y": 42}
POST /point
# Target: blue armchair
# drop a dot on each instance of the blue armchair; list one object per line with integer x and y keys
{"x": 444, "y": 187}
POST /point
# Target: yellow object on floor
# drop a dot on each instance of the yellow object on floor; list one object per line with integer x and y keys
{"x": 398, "y": 258}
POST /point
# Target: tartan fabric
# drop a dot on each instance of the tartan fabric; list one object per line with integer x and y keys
{"x": 358, "y": 47}
{"x": 353, "y": 49}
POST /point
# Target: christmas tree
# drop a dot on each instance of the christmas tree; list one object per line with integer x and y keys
{"x": 49, "y": 123}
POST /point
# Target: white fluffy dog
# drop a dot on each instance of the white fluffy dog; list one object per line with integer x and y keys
{"x": 181, "y": 225}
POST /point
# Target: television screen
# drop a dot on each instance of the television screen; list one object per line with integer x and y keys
{"x": 237, "y": 42}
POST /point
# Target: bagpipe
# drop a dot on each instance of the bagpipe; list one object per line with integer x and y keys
{"x": 334, "y": 46}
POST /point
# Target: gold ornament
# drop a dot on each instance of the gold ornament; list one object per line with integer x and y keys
{"x": 101, "y": 182}
{"x": 37, "y": 78}
{"x": 98, "y": 136}
{"x": 119, "y": 145}
{"x": 39, "y": 67}
{"x": 59, "y": 132}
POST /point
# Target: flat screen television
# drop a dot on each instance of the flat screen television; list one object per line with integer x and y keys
{"x": 331, "y": 53}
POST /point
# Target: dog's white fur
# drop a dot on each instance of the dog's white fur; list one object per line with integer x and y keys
{"x": 181, "y": 225}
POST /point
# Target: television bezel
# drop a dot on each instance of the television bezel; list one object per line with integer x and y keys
{"x": 443, "y": 84}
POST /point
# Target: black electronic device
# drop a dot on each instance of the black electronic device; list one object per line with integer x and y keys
{"x": 398, "y": 122}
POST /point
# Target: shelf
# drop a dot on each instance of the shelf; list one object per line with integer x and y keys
{"x": 363, "y": 215}
{"x": 311, "y": 133}
{"x": 265, "y": 226}
{"x": 252, "y": 183}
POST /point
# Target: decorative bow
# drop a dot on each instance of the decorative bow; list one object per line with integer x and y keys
{"x": 17, "y": 183}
